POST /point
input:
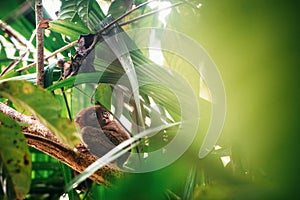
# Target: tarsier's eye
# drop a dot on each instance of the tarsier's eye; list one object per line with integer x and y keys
{"x": 105, "y": 114}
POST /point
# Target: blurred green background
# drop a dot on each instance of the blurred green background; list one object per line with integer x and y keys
{"x": 256, "y": 47}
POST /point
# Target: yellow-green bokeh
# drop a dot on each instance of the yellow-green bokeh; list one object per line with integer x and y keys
{"x": 255, "y": 45}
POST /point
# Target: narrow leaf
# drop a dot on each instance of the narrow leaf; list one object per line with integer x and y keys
{"x": 190, "y": 184}
{"x": 94, "y": 77}
{"x": 27, "y": 77}
{"x": 68, "y": 28}
{"x": 90, "y": 13}
{"x": 119, "y": 47}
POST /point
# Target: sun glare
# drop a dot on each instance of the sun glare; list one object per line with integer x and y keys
{"x": 163, "y": 14}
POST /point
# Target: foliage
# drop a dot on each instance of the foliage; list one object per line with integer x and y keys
{"x": 233, "y": 32}
{"x": 86, "y": 12}
{"x": 74, "y": 18}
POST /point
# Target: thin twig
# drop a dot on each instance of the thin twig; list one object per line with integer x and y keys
{"x": 14, "y": 63}
{"x": 51, "y": 55}
{"x": 124, "y": 15}
{"x": 11, "y": 32}
{"x": 150, "y": 13}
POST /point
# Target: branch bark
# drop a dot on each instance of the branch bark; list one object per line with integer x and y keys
{"x": 40, "y": 137}
{"x": 40, "y": 43}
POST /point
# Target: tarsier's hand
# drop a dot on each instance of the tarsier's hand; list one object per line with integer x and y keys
{"x": 99, "y": 132}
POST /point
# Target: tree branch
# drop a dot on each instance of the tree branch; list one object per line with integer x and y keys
{"x": 40, "y": 43}
{"x": 41, "y": 138}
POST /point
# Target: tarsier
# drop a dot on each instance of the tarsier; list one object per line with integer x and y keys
{"x": 100, "y": 133}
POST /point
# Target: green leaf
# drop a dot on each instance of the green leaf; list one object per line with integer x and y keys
{"x": 48, "y": 75}
{"x": 69, "y": 82}
{"x": 68, "y": 28}
{"x": 27, "y": 77}
{"x": 86, "y": 12}
{"x": 15, "y": 157}
{"x": 118, "y": 45}
{"x": 160, "y": 94}
{"x": 68, "y": 10}
{"x": 43, "y": 105}
{"x": 98, "y": 192}
{"x": 55, "y": 40}
{"x": 118, "y": 7}
{"x": 177, "y": 63}
{"x": 103, "y": 95}
{"x": 67, "y": 173}
{"x": 95, "y": 77}
{"x": 90, "y": 13}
